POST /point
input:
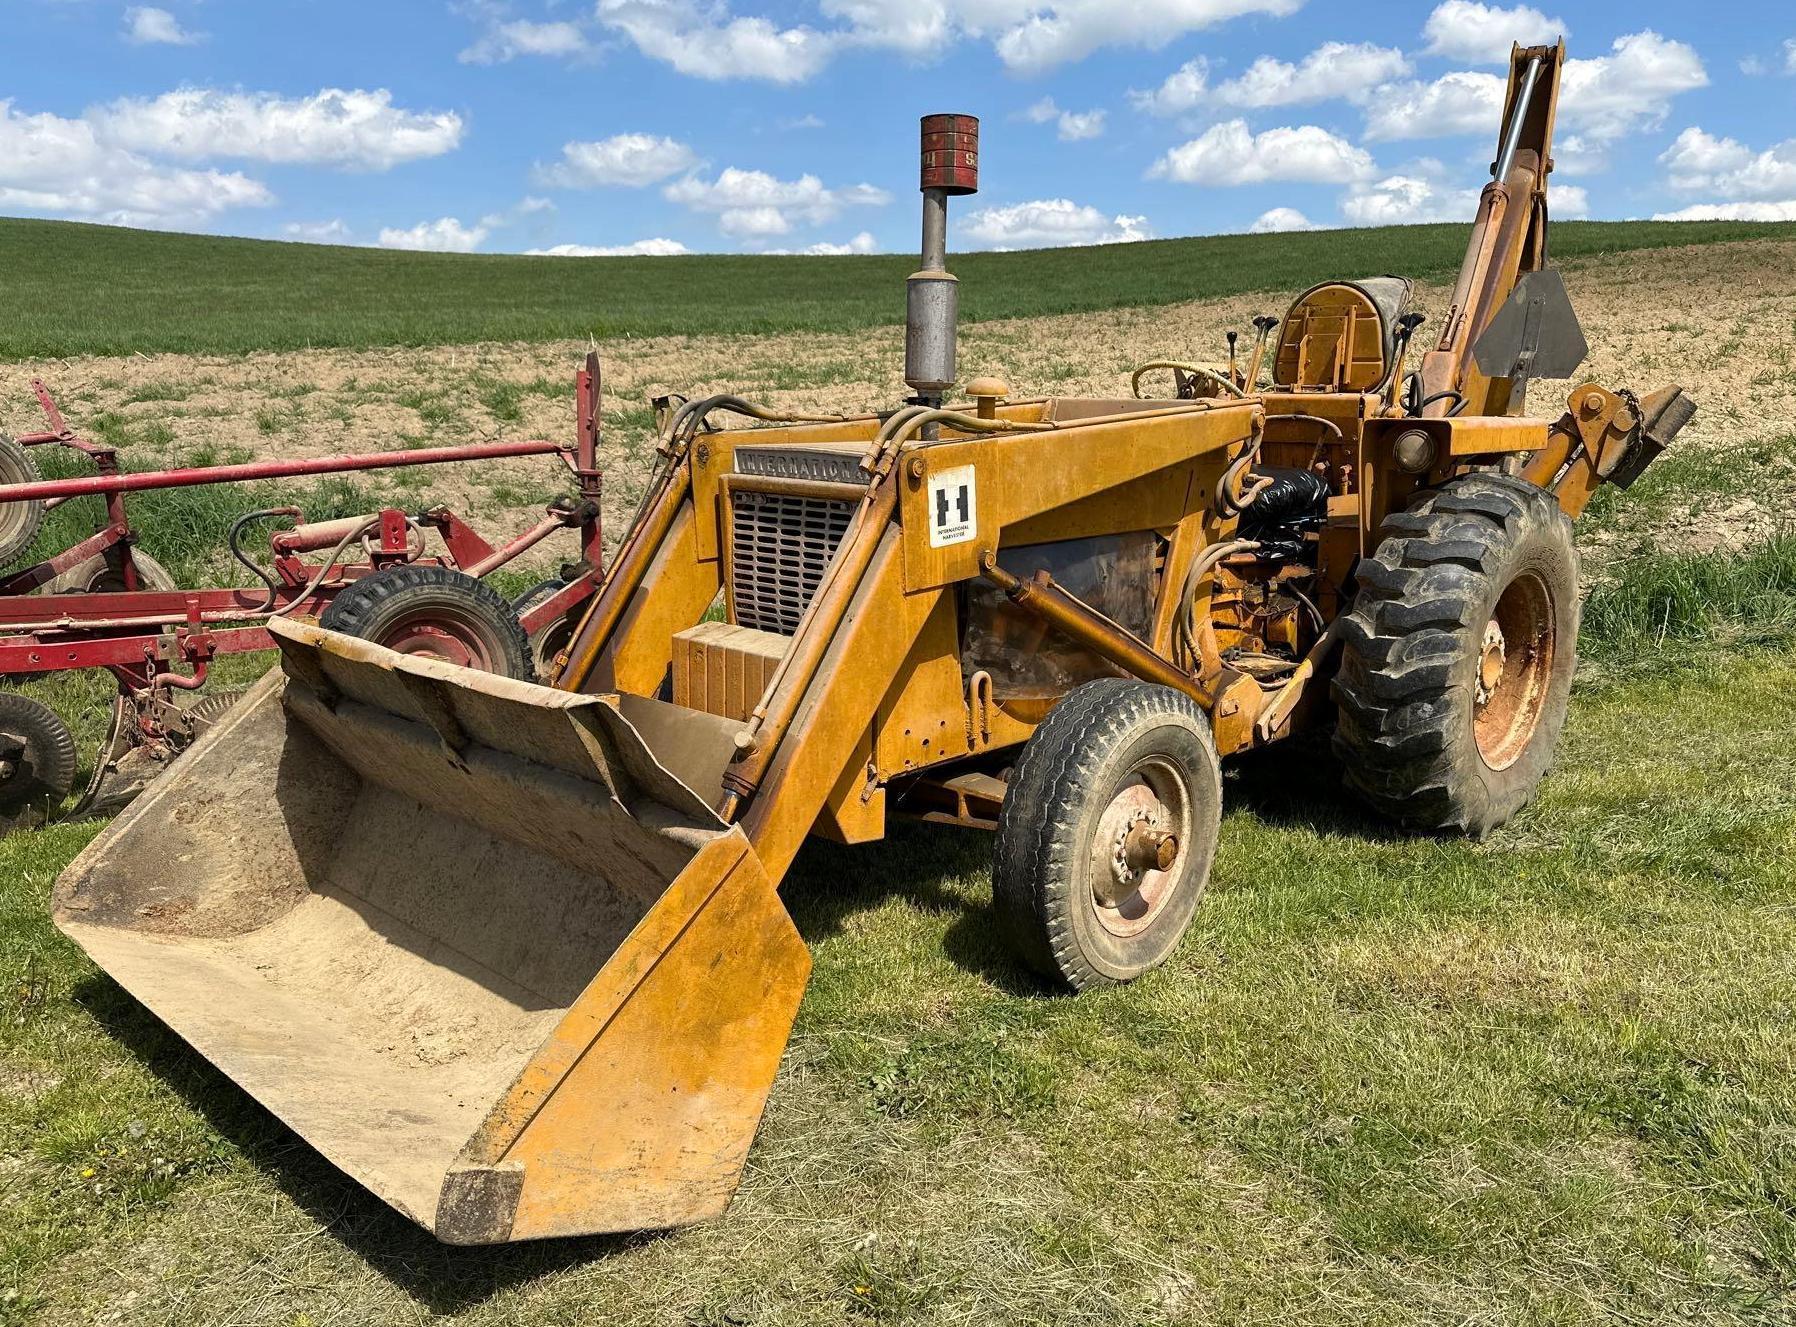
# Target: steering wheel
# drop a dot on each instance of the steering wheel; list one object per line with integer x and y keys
{"x": 1219, "y": 376}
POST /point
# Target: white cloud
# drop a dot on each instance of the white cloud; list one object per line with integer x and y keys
{"x": 1076, "y": 126}
{"x": 1462, "y": 102}
{"x": 1698, "y": 162}
{"x": 506, "y": 41}
{"x": 1049, "y": 223}
{"x": 527, "y": 206}
{"x": 705, "y": 39}
{"x": 752, "y": 203}
{"x": 1573, "y": 154}
{"x": 444, "y": 235}
{"x": 50, "y": 164}
{"x": 1779, "y": 211}
{"x": 1182, "y": 91}
{"x": 1229, "y": 154}
{"x": 1035, "y": 38}
{"x": 146, "y": 25}
{"x": 355, "y": 130}
{"x": 655, "y": 248}
{"x": 1280, "y": 219}
{"x": 1483, "y": 34}
{"x": 916, "y": 27}
{"x": 1407, "y": 200}
{"x": 861, "y": 243}
{"x": 1570, "y": 201}
{"x": 317, "y": 232}
{"x": 1695, "y": 159}
{"x": 1073, "y": 126}
{"x": 1421, "y": 193}
{"x": 629, "y": 160}
{"x": 1630, "y": 89}
{"x": 708, "y": 43}
{"x": 1600, "y": 100}
{"x": 1783, "y": 63}
{"x": 1335, "y": 69}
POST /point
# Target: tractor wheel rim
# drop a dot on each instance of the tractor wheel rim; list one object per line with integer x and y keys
{"x": 1139, "y": 847}
{"x": 446, "y": 633}
{"x": 1515, "y": 671}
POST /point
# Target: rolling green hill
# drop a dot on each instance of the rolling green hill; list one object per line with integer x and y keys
{"x": 72, "y": 289}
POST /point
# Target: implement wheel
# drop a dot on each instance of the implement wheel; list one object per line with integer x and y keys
{"x": 553, "y": 637}
{"x": 19, "y": 521}
{"x": 104, "y": 573}
{"x": 437, "y": 613}
{"x": 37, "y": 759}
{"x": 1457, "y": 659}
{"x": 1107, "y": 833}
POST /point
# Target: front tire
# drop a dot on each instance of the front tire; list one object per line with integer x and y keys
{"x": 1107, "y": 833}
{"x": 1458, "y": 655}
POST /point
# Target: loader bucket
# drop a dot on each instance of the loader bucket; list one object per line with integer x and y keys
{"x": 469, "y": 937}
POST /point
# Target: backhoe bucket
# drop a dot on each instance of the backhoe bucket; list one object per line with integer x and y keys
{"x": 472, "y": 939}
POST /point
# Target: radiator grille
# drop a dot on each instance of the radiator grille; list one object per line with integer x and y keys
{"x": 779, "y": 547}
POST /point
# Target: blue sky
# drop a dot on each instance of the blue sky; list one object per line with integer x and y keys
{"x": 760, "y": 125}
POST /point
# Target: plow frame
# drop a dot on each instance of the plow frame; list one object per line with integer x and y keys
{"x": 142, "y": 634}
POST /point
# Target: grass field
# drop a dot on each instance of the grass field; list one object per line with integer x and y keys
{"x": 77, "y": 289}
{"x": 1545, "y": 1078}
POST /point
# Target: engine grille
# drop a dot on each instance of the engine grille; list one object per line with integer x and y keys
{"x": 779, "y": 548}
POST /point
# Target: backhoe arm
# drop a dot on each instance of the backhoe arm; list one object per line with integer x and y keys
{"x": 1509, "y": 239}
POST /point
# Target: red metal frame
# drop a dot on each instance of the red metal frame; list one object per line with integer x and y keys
{"x": 141, "y": 636}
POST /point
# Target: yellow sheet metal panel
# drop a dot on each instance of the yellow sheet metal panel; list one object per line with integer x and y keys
{"x": 675, "y": 592}
{"x": 1490, "y": 435}
{"x": 856, "y": 809}
{"x": 638, "y": 1111}
{"x": 924, "y": 720}
{"x": 960, "y": 496}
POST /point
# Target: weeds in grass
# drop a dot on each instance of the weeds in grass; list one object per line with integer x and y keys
{"x": 435, "y": 410}
{"x": 160, "y": 391}
{"x": 503, "y": 400}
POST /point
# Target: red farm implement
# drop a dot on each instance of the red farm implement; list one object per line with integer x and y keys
{"x": 410, "y": 581}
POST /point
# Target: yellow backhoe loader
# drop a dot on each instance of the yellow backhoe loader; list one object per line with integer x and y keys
{"x": 514, "y": 956}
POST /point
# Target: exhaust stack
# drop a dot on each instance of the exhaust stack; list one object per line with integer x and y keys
{"x": 932, "y": 296}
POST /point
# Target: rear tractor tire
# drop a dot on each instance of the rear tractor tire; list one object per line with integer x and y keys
{"x": 37, "y": 760}
{"x": 1457, "y": 657}
{"x": 436, "y": 613}
{"x": 1107, "y": 833}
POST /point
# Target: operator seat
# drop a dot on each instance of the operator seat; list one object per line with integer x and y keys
{"x": 1341, "y": 336}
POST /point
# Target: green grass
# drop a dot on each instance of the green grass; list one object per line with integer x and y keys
{"x": 1545, "y": 1078}
{"x": 79, "y": 289}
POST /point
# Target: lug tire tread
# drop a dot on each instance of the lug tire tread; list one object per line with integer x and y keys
{"x": 1403, "y": 732}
